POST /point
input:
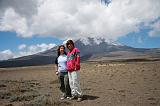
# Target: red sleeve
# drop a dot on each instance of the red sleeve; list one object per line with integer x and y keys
{"x": 77, "y": 60}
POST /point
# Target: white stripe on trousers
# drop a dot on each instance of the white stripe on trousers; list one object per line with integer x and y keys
{"x": 74, "y": 81}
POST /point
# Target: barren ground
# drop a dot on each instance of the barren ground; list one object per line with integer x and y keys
{"x": 103, "y": 84}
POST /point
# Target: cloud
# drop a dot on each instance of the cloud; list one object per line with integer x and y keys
{"x": 33, "y": 49}
{"x": 22, "y": 46}
{"x": 155, "y": 32}
{"x": 22, "y": 7}
{"x": 78, "y": 18}
{"x": 12, "y": 21}
{"x": 6, "y": 54}
{"x": 25, "y": 50}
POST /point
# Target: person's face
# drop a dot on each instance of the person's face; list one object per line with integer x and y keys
{"x": 70, "y": 46}
{"x": 61, "y": 50}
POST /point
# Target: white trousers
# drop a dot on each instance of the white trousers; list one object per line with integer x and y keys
{"x": 74, "y": 82}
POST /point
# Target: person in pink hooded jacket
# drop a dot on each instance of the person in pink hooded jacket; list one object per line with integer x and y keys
{"x": 73, "y": 67}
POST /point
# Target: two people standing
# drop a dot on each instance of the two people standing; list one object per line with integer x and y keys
{"x": 68, "y": 67}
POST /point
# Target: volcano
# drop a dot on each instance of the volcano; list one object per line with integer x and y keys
{"x": 92, "y": 51}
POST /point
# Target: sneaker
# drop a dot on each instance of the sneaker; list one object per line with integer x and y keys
{"x": 72, "y": 98}
{"x": 68, "y": 97}
{"x": 79, "y": 99}
{"x": 63, "y": 96}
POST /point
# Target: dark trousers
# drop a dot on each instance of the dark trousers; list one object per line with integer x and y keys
{"x": 64, "y": 83}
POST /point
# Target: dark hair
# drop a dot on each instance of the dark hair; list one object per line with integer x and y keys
{"x": 58, "y": 50}
{"x": 69, "y": 42}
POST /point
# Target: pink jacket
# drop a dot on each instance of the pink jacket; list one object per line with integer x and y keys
{"x": 73, "y": 60}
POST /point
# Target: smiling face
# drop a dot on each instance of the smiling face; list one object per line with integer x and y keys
{"x": 70, "y": 46}
{"x": 61, "y": 50}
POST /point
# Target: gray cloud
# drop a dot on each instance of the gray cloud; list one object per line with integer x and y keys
{"x": 25, "y": 8}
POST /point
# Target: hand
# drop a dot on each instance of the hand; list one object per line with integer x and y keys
{"x": 57, "y": 72}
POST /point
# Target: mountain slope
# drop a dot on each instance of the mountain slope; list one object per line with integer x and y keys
{"x": 89, "y": 52}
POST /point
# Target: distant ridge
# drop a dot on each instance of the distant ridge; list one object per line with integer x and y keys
{"x": 89, "y": 52}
